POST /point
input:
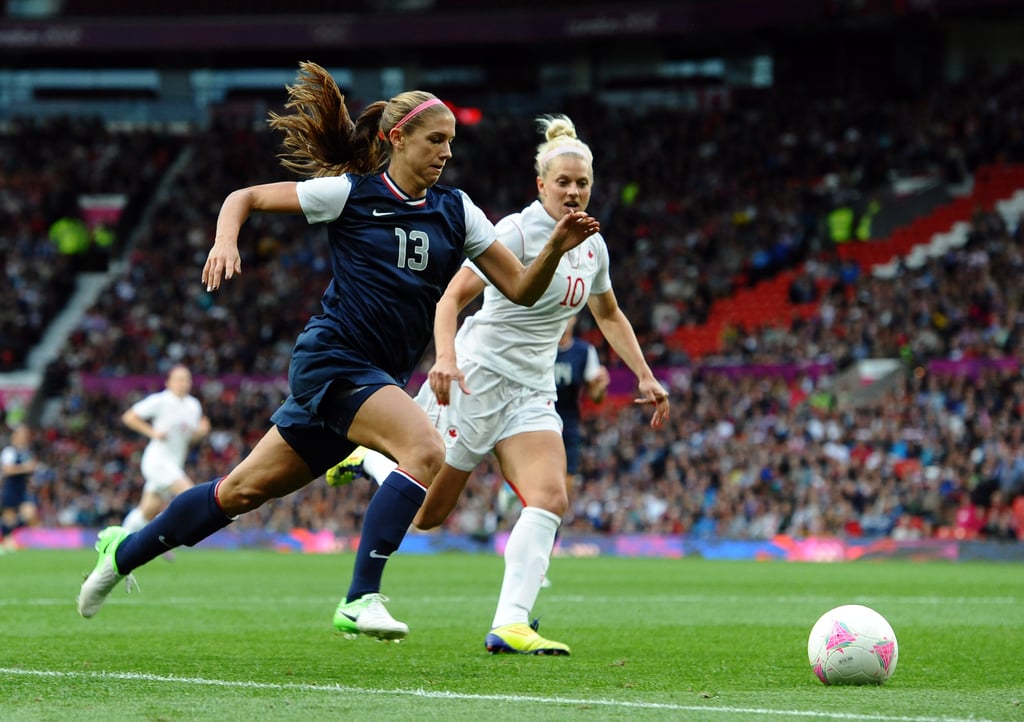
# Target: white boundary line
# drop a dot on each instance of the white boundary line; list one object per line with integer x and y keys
{"x": 429, "y": 694}
{"x": 928, "y": 601}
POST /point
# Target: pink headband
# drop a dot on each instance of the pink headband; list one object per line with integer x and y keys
{"x": 416, "y": 111}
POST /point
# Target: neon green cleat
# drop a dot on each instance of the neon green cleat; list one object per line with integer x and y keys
{"x": 104, "y": 576}
{"x": 522, "y": 639}
{"x": 367, "y": 615}
{"x": 348, "y": 469}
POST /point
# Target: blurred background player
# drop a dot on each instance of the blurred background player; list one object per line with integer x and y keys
{"x": 17, "y": 465}
{"x": 578, "y": 371}
{"x": 502, "y": 358}
{"x": 172, "y": 420}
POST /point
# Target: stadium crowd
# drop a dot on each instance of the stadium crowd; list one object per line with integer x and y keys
{"x": 48, "y": 166}
{"x": 694, "y": 206}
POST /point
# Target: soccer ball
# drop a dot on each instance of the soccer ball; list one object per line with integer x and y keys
{"x": 852, "y": 644}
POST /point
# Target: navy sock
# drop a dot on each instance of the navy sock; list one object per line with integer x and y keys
{"x": 191, "y": 516}
{"x": 387, "y": 519}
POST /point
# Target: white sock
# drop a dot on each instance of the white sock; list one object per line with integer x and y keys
{"x": 134, "y": 521}
{"x": 527, "y": 555}
{"x": 377, "y": 466}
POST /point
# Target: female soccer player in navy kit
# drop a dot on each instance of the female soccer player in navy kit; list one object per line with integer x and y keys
{"x": 17, "y": 502}
{"x": 396, "y": 239}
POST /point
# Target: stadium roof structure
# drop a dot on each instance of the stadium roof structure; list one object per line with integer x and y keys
{"x": 33, "y": 29}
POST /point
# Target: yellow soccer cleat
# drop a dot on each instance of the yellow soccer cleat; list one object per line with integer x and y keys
{"x": 348, "y": 469}
{"x": 522, "y": 639}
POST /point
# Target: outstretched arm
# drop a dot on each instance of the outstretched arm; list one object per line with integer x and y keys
{"x": 223, "y": 261}
{"x": 524, "y": 285}
{"x": 619, "y": 333}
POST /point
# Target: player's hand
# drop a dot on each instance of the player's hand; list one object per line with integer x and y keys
{"x": 652, "y": 392}
{"x": 222, "y": 263}
{"x": 441, "y": 376}
{"x": 572, "y": 229}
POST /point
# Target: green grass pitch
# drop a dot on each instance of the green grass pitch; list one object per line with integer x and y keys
{"x": 247, "y": 635}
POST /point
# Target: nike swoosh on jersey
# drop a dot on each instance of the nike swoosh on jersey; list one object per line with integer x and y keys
{"x": 383, "y": 213}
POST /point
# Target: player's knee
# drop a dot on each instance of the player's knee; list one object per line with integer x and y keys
{"x": 423, "y": 461}
{"x": 552, "y": 498}
{"x": 237, "y": 495}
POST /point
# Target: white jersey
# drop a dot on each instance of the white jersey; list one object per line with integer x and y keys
{"x": 179, "y": 417}
{"x": 521, "y": 342}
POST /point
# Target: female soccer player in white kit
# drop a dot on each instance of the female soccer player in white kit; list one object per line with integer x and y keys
{"x": 172, "y": 420}
{"x": 503, "y": 399}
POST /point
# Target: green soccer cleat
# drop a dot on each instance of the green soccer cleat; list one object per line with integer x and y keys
{"x": 522, "y": 639}
{"x": 104, "y": 576}
{"x": 348, "y": 469}
{"x": 367, "y": 615}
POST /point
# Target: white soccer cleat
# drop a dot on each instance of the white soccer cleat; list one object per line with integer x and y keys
{"x": 368, "y": 615}
{"x": 104, "y": 577}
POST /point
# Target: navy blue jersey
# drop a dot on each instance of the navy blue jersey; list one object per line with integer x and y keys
{"x": 392, "y": 258}
{"x": 15, "y": 486}
{"x": 570, "y": 377}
